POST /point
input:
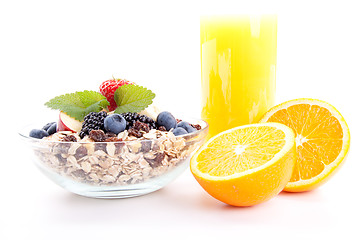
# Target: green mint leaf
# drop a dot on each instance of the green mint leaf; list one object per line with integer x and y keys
{"x": 78, "y": 104}
{"x": 132, "y": 98}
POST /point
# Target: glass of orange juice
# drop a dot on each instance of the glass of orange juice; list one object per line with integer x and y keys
{"x": 238, "y": 68}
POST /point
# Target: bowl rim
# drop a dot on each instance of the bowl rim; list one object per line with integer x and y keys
{"x": 25, "y": 134}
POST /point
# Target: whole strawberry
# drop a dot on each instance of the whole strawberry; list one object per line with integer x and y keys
{"x": 108, "y": 88}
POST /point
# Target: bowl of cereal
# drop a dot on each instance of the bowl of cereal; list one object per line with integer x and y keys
{"x": 113, "y": 143}
{"x": 107, "y": 166}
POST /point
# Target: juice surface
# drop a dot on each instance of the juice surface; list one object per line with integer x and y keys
{"x": 238, "y": 68}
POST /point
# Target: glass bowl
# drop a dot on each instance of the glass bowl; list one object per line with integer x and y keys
{"x": 115, "y": 169}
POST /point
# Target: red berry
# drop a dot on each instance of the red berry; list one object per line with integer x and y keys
{"x": 108, "y": 88}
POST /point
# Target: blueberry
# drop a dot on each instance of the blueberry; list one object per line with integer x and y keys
{"x": 186, "y": 126}
{"x": 167, "y": 120}
{"x": 179, "y": 131}
{"x": 38, "y": 133}
{"x": 114, "y": 123}
{"x": 46, "y": 127}
{"x": 52, "y": 129}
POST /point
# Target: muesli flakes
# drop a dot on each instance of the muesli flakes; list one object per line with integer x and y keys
{"x": 116, "y": 163}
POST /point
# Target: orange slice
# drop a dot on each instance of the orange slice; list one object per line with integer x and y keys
{"x": 246, "y": 165}
{"x": 322, "y": 140}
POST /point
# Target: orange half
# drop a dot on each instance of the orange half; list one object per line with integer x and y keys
{"x": 246, "y": 165}
{"x": 322, "y": 140}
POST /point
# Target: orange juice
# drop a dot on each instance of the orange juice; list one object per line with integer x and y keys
{"x": 238, "y": 68}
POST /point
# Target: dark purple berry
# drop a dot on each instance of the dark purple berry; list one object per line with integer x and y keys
{"x": 167, "y": 120}
{"x": 179, "y": 131}
{"x": 38, "y": 133}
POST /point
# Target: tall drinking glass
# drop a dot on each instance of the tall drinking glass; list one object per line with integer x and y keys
{"x": 238, "y": 68}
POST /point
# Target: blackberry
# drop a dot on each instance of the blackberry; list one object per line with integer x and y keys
{"x": 93, "y": 121}
{"x": 131, "y": 119}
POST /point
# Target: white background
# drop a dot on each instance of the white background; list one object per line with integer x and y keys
{"x": 48, "y": 48}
